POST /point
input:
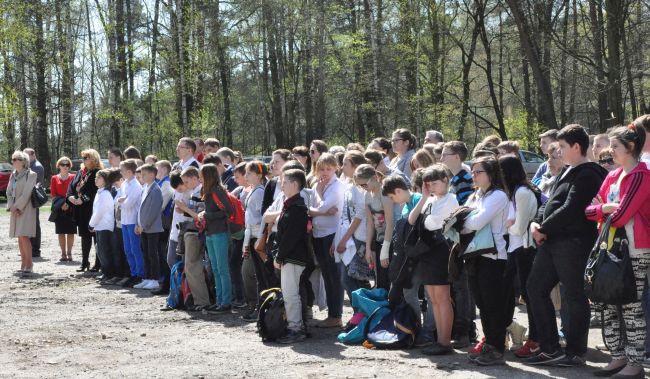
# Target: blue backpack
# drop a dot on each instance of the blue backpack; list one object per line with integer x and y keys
{"x": 175, "y": 298}
{"x": 396, "y": 328}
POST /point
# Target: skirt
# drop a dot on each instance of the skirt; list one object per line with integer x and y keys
{"x": 64, "y": 224}
{"x": 432, "y": 267}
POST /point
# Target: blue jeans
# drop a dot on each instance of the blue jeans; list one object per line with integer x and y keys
{"x": 331, "y": 277}
{"x": 218, "y": 247}
{"x": 133, "y": 250}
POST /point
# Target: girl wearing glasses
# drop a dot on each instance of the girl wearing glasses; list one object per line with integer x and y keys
{"x": 404, "y": 146}
{"x": 64, "y": 225}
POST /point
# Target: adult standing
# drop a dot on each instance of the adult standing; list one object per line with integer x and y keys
{"x": 64, "y": 225}
{"x": 81, "y": 194}
{"x": 38, "y": 168}
{"x": 433, "y": 136}
{"x": 185, "y": 152}
{"x": 564, "y": 237}
{"x": 22, "y": 224}
{"x": 404, "y": 146}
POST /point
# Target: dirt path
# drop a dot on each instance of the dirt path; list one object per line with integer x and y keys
{"x": 60, "y": 324}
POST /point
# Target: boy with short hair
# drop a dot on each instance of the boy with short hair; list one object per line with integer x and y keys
{"x": 150, "y": 226}
{"x": 293, "y": 254}
{"x": 454, "y": 154}
{"x": 545, "y": 139}
{"x": 129, "y": 202}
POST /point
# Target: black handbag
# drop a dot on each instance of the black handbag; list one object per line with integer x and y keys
{"x": 414, "y": 246}
{"x": 609, "y": 276}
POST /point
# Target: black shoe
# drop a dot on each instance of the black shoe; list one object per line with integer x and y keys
{"x": 437, "y": 349}
{"x": 610, "y": 372}
{"x": 490, "y": 356}
{"x": 251, "y": 316}
{"x": 123, "y": 281}
{"x": 84, "y": 267}
{"x": 292, "y": 336}
{"x": 105, "y": 280}
{"x": 132, "y": 282}
{"x": 571, "y": 361}
{"x": 638, "y": 375}
{"x": 161, "y": 291}
{"x": 222, "y": 309}
{"x": 546, "y": 358}
{"x": 113, "y": 281}
{"x": 422, "y": 340}
{"x": 94, "y": 269}
{"x": 460, "y": 342}
{"x": 239, "y": 304}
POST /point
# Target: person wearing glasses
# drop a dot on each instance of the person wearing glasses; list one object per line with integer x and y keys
{"x": 81, "y": 194}
{"x": 606, "y": 160}
{"x": 185, "y": 153}
{"x": 316, "y": 148}
{"x": 64, "y": 225}
{"x": 22, "y": 223}
{"x": 404, "y": 146}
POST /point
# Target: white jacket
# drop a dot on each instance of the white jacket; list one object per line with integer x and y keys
{"x": 103, "y": 217}
{"x": 524, "y": 209}
{"x": 132, "y": 190}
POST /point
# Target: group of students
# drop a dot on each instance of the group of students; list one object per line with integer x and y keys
{"x": 332, "y": 217}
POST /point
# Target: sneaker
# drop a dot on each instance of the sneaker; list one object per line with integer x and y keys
{"x": 222, "y": 309}
{"x": 571, "y": 361}
{"x": 104, "y": 281}
{"x": 211, "y": 307}
{"x": 113, "y": 281}
{"x": 460, "y": 342}
{"x": 292, "y": 336}
{"x": 437, "y": 349}
{"x": 124, "y": 281}
{"x": 529, "y": 349}
{"x": 330, "y": 322}
{"x": 545, "y": 358}
{"x": 422, "y": 340}
{"x": 490, "y": 356}
{"x": 141, "y": 285}
{"x": 474, "y": 352}
{"x": 239, "y": 304}
{"x": 152, "y": 284}
{"x": 251, "y": 316}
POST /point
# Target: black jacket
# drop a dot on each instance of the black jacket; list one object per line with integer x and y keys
{"x": 83, "y": 187}
{"x": 269, "y": 191}
{"x": 563, "y": 215}
{"x": 292, "y": 232}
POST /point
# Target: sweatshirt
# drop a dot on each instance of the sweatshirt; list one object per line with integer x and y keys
{"x": 292, "y": 232}
{"x": 216, "y": 218}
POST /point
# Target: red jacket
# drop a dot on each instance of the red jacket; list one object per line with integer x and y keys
{"x": 634, "y": 196}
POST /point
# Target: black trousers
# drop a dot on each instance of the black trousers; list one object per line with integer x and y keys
{"x": 36, "y": 240}
{"x": 490, "y": 288}
{"x": 118, "y": 244}
{"x": 381, "y": 274}
{"x": 520, "y": 262}
{"x": 150, "y": 246}
{"x": 86, "y": 245}
{"x": 560, "y": 261}
{"x": 165, "y": 271}
{"x": 105, "y": 253}
{"x": 235, "y": 261}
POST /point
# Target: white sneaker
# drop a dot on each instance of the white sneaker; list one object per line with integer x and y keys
{"x": 141, "y": 285}
{"x": 152, "y": 285}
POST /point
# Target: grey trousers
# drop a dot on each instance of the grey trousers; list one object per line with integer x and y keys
{"x": 194, "y": 269}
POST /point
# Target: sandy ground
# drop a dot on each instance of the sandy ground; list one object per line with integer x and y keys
{"x": 61, "y": 324}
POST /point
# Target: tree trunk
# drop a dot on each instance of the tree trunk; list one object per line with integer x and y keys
{"x": 93, "y": 104}
{"x": 467, "y": 58}
{"x": 307, "y": 77}
{"x": 41, "y": 136}
{"x": 596, "y": 29}
{"x": 563, "y": 63}
{"x": 372, "y": 100}
{"x": 180, "y": 56}
{"x": 628, "y": 71}
{"x": 319, "y": 116}
{"x": 152, "y": 72}
{"x": 129, "y": 50}
{"x": 615, "y": 19}
{"x": 276, "y": 101}
{"x": 67, "y": 80}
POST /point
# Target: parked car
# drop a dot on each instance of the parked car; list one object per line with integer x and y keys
{"x": 5, "y": 173}
{"x": 530, "y": 160}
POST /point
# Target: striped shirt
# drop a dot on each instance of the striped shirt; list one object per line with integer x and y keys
{"x": 462, "y": 186}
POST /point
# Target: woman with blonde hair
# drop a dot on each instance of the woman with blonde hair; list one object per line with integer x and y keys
{"x": 64, "y": 224}
{"x": 421, "y": 159}
{"x": 22, "y": 224}
{"x": 81, "y": 194}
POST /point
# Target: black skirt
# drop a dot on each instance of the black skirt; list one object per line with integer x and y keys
{"x": 64, "y": 224}
{"x": 432, "y": 267}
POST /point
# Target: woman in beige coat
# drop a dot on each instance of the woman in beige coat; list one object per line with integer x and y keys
{"x": 23, "y": 215}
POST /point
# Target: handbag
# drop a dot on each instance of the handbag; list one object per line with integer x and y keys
{"x": 609, "y": 276}
{"x": 39, "y": 196}
{"x": 414, "y": 246}
{"x": 359, "y": 268}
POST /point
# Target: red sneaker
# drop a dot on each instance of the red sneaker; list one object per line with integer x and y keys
{"x": 475, "y": 351}
{"x": 530, "y": 348}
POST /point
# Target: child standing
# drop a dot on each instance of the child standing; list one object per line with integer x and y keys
{"x": 102, "y": 223}
{"x": 129, "y": 203}
{"x": 293, "y": 254}
{"x": 150, "y": 226}
{"x": 217, "y": 211}
{"x": 255, "y": 177}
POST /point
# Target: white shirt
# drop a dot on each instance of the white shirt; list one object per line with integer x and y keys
{"x": 187, "y": 163}
{"x": 524, "y": 209}
{"x": 441, "y": 209}
{"x": 253, "y": 216}
{"x": 178, "y": 217}
{"x": 103, "y": 217}
{"x": 167, "y": 193}
{"x": 332, "y": 197}
{"x": 132, "y": 190}
{"x": 645, "y": 157}
{"x": 492, "y": 209}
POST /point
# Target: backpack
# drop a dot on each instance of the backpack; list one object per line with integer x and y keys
{"x": 272, "y": 319}
{"x": 395, "y": 329}
{"x": 175, "y": 298}
{"x": 236, "y": 219}
{"x": 186, "y": 293}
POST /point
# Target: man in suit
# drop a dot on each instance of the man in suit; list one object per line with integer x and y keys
{"x": 38, "y": 168}
{"x": 149, "y": 226}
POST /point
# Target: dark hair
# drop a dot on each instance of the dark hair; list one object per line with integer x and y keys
{"x": 132, "y": 152}
{"x": 416, "y": 179}
{"x": 406, "y": 135}
{"x": 514, "y": 174}
{"x": 189, "y": 142}
{"x": 643, "y": 122}
{"x": 551, "y": 133}
{"x": 224, "y": 151}
{"x": 296, "y": 176}
{"x": 321, "y": 146}
{"x": 114, "y": 175}
{"x": 175, "y": 179}
{"x": 575, "y": 134}
{"x": 117, "y": 152}
{"x": 212, "y": 158}
{"x": 129, "y": 165}
{"x": 293, "y": 165}
{"x": 105, "y": 174}
{"x": 211, "y": 180}
{"x": 303, "y": 151}
{"x": 493, "y": 171}
{"x": 149, "y": 168}
{"x": 258, "y": 168}
{"x": 628, "y": 135}
{"x": 356, "y": 158}
{"x": 283, "y": 153}
{"x": 384, "y": 143}
{"x": 339, "y": 158}
{"x": 392, "y": 183}
{"x": 352, "y": 146}
{"x": 458, "y": 147}
{"x": 435, "y": 172}
{"x": 423, "y": 158}
{"x": 212, "y": 142}
{"x": 190, "y": 172}
{"x": 373, "y": 156}
{"x": 492, "y": 139}
{"x": 511, "y": 147}
{"x": 240, "y": 168}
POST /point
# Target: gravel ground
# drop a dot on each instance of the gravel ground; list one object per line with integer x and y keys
{"x": 61, "y": 324}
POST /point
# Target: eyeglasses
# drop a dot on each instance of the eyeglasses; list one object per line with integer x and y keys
{"x": 16, "y": 160}
{"x": 395, "y": 140}
{"x": 609, "y": 161}
{"x": 86, "y": 158}
{"x": 476, "y": 172}
{"x": 448, "y": 154}
{"x": 64, "y": 165}
{"x": 313, "y": 151}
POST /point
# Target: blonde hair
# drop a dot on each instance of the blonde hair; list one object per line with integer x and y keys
{"x": 366, "y": 172}
{"x": 64, "y": 160}
{"x": 326, "y": 159}
{"x": 22, "y": 157}
{"x": 94, "y": 158}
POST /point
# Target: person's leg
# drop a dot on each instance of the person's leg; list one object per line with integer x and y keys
{"x": 25, "y": 247}
{"x": 235, "y": 266}
{"x": 128, "y": 250}
{"x": 154, "y": 246}
{"x": 145, "y": 240}
{"x": 611, "y": 332}
{"x": 411, "y": 296}
{"x": 509, "y": 277}
{"x": 381, "y": 273}
{"x": 443, "y": 312}
{"x": 163, "y": 242}
{"x": 524, "y": 262}
{"x": 258, "y": 265}
{"x": 86, "y": 245}
{"x": 635, "y": 326}
{"x": 62, "y": 240}
{"x": 645, "y": 305}
{"x": 570, "y": 262}
{"x": 330, "y": 276}
{"x": 69, "y": 244}
{"x": 36, "y": 240}
{"x": 136, "y": 250}
{"x": 349, "y": 284}
{"x": 541, "y": 281}
{"x": 222, "y": 276}
{"x": 463, "y": 307}
{"x": 172, "y": 257}
{"x": 290, "y": 282}
{"x": 494, "y": 289}
{"x": 194, "y": 269}
{"x": 102, "y": 251}
{"x": 249, "y": 281}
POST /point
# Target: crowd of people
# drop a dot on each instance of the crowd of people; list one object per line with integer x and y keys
{"x": 326, "y": 220}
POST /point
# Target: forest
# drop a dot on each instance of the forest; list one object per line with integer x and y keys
{"x": 261, "y": 74}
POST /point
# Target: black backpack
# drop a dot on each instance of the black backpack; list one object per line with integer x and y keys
{"x": 272, "y": 319}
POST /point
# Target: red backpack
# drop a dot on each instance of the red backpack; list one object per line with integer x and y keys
{"x": 236, "y": 219}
